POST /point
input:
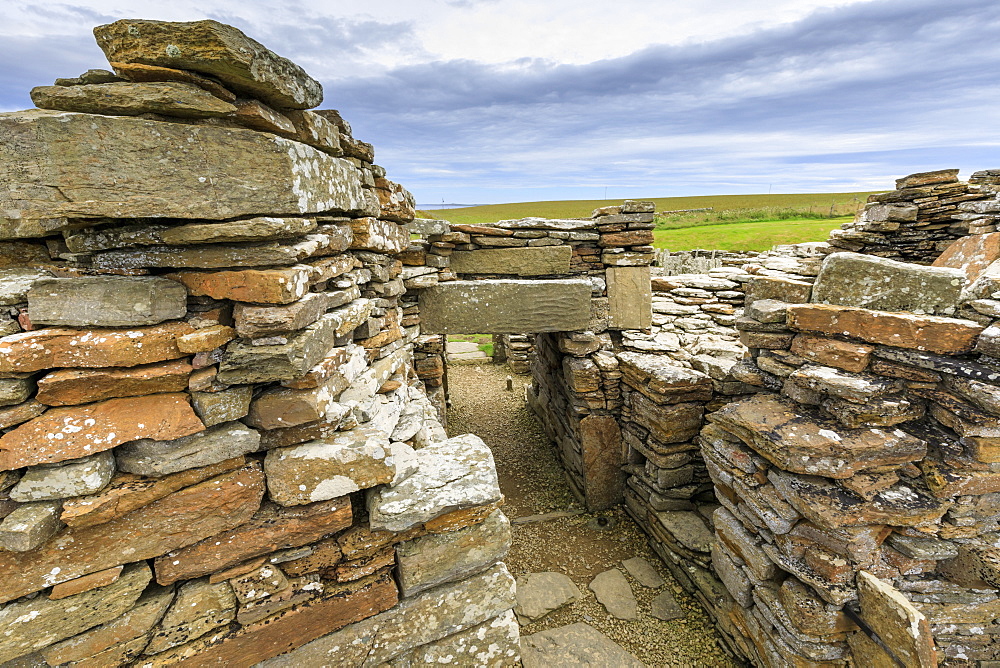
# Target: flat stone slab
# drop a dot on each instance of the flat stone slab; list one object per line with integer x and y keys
{"x": 528, "y": 261}
{"x": 574, "y": 645}
{"x": 505, "y": 306}
{"x": 971, "y": 254}
{"x": 644, "y": 572}
{"x": 106, "y": 301}
{"x": 615, "y": 594}
{"x": 630, "y": 298}
{"x": 125, "y": 98}
{"x": 664, "y": 607}
{"x": 216, "y": 49}
{"x": 800, "y": 440}
{"x": 240, "y": 172}
{"x": 538, "y": 594}
{"x": 867, "y": 281}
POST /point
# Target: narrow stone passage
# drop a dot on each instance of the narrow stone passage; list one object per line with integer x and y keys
{"x": 578, "y": 545}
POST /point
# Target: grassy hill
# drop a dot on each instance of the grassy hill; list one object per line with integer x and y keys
{"x": 725, "y": 222}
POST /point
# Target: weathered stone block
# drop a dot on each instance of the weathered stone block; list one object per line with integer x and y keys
{"x": 249, "y": 170}
{"x": 350, "y": 461}
{"x": 65, "y": 387}
{"x": 77, "y": 477}
{"x": 867, "y": 281}
{"x": 506, "y": 306}
{"x": 157, "y": 458}
{"x": 897, "y": 622}
{"x": 179, "y": 519}
{"x": 73, "y": 431}
{"x": 124, "y": 98}
{"x": 106, "y": 301}
{"x": 457, "y": 474}
{"x": 212, "y": 48}
{"x": 900, "y": 330}
{"x": 224, "y": 406}
{"x": 29, "y": 525}
{"x": 34, "y": 624}
{"x": 971, "y": 254}
{"x": 16, "y": 282}
{"x": 833, "y": 352}
{"x": 198, "y": 607}
{"x": 630, "y": 298}
{"x": 381, "y": 236}
{"x": 549, "y": 260}
{"x": 434, "y": 559}
{"x": 799, "y": 439}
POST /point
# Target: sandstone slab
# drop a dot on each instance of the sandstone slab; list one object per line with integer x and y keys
{"x": 15, "y": 391}
{"x": 253, "y": 321}
{"x": 212, "y": 48}
{"x": 538, "y": 594}
{"x": 415, "y": 622}
{"x": 630, "y": 298}
{"x": 380, "y": 236}
{"x": 33, "y": 624}
{"x": 492, "y": 644}
{"x": 63, "y": 347}
{"x": 249, "y": 170}
{"x": 435, "y": 559}
{"x": 615, "y": 594}
{"x": 801, "y": 440}
{"x": 72, "y": 432}
{"x": 644, "y": 572}
{"x": 578, "y": 644}
{"x": 125, "y": 98}
{"x": 16, "y": 282}
{"x": 457, "y": 474}
{"x": 506, "y": 306}
{"x": 901, "y": 330}
{"x": 971, "y": 254}
{"x": 897, "y": 622}
{"x": 544, "y": 261}
{"x": 76, "y": 477}
{"x": 212, "y": 256}
{"x": 156, "y": 457}
{"x": 260, "y": 228}
{"x": 127, "y": 492}
{"x": 348, "y": 462}
{"x": 224, "y": 406}
{"x": 197, "y": 608}
{"x": 269, "y": 530}
{"x": 106, "y": 301}
{"x": 844, "y": 355}
{"x": 29, "y": 525}
{"x": 871, "y": 282}
{"x": 179, "y": 519}
{"x": 67, "y": 387}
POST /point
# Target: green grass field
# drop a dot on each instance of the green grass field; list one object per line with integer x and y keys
{"x": 735, "y": 222}
{"x": 809, "y": 203}
{"x": 751, "y": 236}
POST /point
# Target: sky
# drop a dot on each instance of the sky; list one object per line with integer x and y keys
{"x": 485, "y": 101}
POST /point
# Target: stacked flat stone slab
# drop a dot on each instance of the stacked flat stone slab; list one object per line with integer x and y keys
{"x": 215, "y": 444}
{"x": 913, "y": 223}
{"x": 865, "y": 458}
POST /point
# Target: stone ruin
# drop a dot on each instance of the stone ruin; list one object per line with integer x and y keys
{"x": 223, "y": 394}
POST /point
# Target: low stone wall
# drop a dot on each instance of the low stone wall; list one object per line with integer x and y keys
{"x": 216, "y": 442}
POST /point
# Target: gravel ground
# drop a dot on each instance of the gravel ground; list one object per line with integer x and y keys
{"x": 533, "y": 483}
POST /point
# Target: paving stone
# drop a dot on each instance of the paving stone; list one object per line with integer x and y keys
{"x": 156, "y": 458}
{"x": 325, "y": 469}
{"x": 50, "y": 621}
{"x": 125, "y": 98}
{"x": 867, "y": 281}
{"x": 75, "y": 431}
{"x": 577, "y": 644}
{"x": 644, "y": 572}
{"x": 453, "y": 475}
{"x": 179, "y": 519}
{"x": 215, "y": 49}
{"x": 75, "y": 477}
{"x": 664, "y": 607}
{"x": 29, "y": 526}
{"x": 434, "y": 559}
{"x": 615, "y": 594}
{"x": 538, "y": 594}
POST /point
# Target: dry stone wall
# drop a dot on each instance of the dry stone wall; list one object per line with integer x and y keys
{"x": 215, "y": 443}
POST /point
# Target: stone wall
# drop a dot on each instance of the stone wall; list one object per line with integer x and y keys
{"x": 217, "y": 441}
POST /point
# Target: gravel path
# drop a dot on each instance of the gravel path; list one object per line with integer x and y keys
{"x": 533, "y": 483}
